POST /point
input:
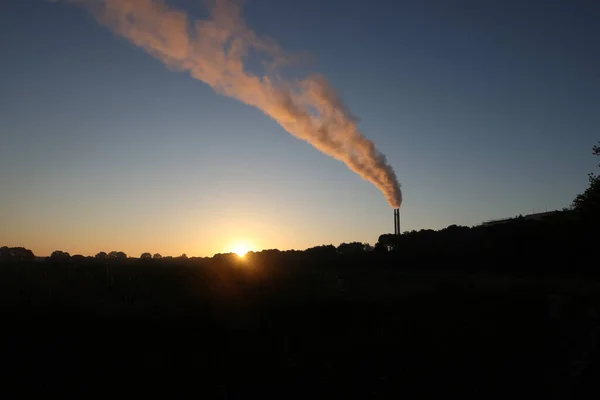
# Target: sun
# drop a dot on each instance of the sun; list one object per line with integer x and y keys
{"x": 240, "y": 249}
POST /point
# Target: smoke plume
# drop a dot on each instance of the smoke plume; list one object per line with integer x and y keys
{"x": 215, "y": 50}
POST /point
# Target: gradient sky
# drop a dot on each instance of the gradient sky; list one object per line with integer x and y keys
{"x": 485, "y": 109}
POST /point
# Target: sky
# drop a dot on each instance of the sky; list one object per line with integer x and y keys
{"x": 484, "y": 109}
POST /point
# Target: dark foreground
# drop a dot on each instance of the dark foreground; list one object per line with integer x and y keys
{"x": 245, "y": 330}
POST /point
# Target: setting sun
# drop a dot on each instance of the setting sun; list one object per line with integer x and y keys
{"x": 240, "y": 249}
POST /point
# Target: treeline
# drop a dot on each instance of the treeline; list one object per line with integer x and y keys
{"x": 565, "y": 242}
{"x": 561, "y": 242}
{"x": 16, "y": 254}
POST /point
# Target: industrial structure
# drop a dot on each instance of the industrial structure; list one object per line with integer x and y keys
{"x": 396, "y": 221}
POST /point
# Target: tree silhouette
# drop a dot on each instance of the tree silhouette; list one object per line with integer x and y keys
{"x": 324, "y": 250}
{"x": 117, "y": 256}
{"x": 157, "y": 256}
{"x": 588, "y": 202}
{"x": 60, "y": 256}
{"x": 78, "y": 258}
{"x": 146, "y": 256}
{"x": 380, "y": 247}
{"x": 15, "y": 254}
{"x": 101, "y": 256}
{"x": 353, "y": 248}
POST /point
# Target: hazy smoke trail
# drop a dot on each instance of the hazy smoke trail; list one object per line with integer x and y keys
{"x": 214, "y": 51}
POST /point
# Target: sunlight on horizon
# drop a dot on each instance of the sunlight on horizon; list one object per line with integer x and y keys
{"x": 240, "y": 249}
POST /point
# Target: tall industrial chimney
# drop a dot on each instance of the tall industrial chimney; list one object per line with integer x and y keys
{"x": 396, "y": 221}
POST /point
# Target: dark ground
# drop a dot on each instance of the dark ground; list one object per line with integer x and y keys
{"x": 250, "y": 329}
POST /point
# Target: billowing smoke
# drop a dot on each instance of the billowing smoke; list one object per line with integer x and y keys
{"x": 215, "y": 51}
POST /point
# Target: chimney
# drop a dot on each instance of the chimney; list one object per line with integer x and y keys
{"x": 396, "y": 221}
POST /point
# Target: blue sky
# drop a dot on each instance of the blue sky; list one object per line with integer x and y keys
{"x": 484, "y": 109}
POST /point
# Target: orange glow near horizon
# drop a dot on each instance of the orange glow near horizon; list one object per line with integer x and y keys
{"x": 240, "y": 249}
{"x": 223, "y": 226}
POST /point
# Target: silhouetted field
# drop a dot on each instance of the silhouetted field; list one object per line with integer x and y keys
{"x": 372, "y": 324}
